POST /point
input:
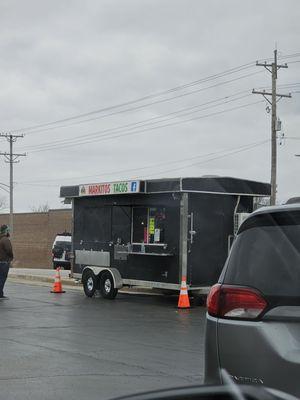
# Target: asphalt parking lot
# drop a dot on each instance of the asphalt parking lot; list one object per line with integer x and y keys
{"x": 70, "y": 347}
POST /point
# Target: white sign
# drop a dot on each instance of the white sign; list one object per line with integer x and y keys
{"x": 109, "y": 188}
{"x": 157, "y": 236}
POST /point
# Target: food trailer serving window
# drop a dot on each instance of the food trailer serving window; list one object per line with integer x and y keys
{"x": 148, "y": 225}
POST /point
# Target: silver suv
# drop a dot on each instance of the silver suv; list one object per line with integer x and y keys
{"x": 253, "y": 318}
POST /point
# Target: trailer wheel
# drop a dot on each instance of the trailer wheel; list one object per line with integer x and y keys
{"x": 107, "y": 286}
{"x": 89, "y": 281}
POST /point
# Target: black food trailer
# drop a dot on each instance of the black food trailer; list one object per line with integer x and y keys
{"x": 154, "y": 233}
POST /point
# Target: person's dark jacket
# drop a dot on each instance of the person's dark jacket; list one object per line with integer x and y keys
{"x": 6, "y": 253}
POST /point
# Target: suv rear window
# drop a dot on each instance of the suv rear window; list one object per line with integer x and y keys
{"x": 63, "y": 245}
{"x": 266, "y": 254}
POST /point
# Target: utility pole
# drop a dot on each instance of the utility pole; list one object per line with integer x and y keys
{"x": 11, "y": 158}
{"x": 273, "y": 68}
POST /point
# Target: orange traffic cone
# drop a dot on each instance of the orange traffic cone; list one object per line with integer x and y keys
{"x": 57, "y": 286}
{"x": 183, "y": 301}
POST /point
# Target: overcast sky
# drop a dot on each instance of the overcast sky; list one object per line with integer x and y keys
{"x": 61, "y": 59}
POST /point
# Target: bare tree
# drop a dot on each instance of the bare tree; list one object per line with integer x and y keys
{"x": 3, "y": 203}
{"x": 41, "y": 208}
{"x": 261, "y": 202}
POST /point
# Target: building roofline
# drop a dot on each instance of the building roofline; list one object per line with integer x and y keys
{"x": 37, "y": 212}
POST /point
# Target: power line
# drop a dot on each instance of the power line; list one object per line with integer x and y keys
{"x": 110, "y": 137}
{"x": 145, "y": 105}
{"x": 4, "y": 188}
{"x": 149, "y": 121}
{"x": 142, "y": 168}
{"x": 283, "y": 86}
{"x": 239, "y": 148}
{"x": 287, "y": 56}
{"x": 289, "y": 84}
{"x": 146, "y": 97}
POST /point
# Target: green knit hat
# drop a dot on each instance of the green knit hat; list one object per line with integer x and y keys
{"x": 4, "y": 229}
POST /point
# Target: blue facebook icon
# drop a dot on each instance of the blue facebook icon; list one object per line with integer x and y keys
{"x": 133, "y": 186}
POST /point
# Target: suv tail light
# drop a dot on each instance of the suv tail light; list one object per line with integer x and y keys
{"x": 225, "y": 301}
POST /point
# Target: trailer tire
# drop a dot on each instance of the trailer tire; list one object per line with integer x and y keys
{"x": 107, "y": 286}
{"x": 90, "y": 283}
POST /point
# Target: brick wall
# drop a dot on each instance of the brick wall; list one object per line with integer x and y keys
{"x": 34, "y": 234}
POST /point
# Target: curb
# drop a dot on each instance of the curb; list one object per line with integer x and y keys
{"x": 43, "y": 279}
{"x": 72, "y": 284}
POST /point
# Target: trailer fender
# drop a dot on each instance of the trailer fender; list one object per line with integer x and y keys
{"x": 118, "y": 282}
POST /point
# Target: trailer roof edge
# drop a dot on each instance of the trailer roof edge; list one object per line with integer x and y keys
{"x": 207, "y": 184}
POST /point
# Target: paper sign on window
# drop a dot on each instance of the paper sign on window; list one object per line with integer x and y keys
{"x": 151, "y": 226}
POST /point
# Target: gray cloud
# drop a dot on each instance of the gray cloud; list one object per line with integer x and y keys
{"x": 63, "y": 58}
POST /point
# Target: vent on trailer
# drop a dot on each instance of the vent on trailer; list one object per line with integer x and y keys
{"x": 239, "y": 218}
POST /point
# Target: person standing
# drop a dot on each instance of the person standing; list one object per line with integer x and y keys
{"x": 6, "y": 256}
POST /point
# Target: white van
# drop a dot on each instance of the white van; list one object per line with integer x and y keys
{"x": 61, "y": 250}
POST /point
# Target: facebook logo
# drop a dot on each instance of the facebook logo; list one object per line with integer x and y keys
{"x": 133, "y": 186}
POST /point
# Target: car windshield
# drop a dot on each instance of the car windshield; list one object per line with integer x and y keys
{"x": 266, "y": 255}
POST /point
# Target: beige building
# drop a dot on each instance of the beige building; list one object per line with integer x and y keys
{"x": 34, "y": 234}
